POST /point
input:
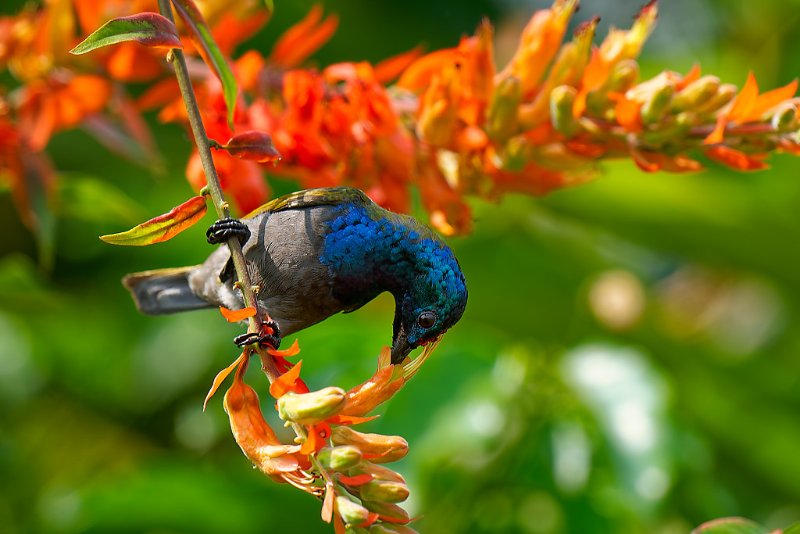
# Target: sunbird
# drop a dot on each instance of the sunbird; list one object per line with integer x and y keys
{"x": 317, "y": 252}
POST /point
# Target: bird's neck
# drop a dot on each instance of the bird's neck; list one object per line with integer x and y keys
{"x": 368, "y": 255}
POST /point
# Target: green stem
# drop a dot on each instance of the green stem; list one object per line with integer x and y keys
{"x": 221, "y": 206}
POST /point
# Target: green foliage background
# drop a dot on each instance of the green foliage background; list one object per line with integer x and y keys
{"x": 533, "y": 416}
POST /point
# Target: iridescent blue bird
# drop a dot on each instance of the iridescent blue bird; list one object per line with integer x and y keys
{"x": 315, "y": 253}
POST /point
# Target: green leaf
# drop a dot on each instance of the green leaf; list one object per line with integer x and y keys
{"x": 149, "y": 29}
{"x": 212, "y": 55}
{"x": 730, "y": 525}
{"x": 793, "y": 529}
{"x": 163, "y": 227}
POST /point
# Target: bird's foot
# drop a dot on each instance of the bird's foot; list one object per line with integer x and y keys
{"x": 224, "y": 229}
{"x": 268, "y": 335}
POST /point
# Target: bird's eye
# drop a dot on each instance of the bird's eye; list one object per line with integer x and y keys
{"x": 426, "y": 319}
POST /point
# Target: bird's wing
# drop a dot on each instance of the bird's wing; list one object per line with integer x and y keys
{"x": 312, "y": 197}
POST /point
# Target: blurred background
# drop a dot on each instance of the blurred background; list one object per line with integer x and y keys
{"x": 627, "y": 362}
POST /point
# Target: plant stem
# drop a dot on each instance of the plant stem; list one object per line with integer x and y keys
{"x": 215, "y": 189}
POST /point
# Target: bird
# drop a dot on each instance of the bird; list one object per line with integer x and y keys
{"x": 317, "y": 252}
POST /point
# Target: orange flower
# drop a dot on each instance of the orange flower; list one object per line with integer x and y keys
{"x": 56, "y": 103}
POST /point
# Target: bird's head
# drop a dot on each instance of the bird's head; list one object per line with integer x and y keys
{"x": 433, "y": 302}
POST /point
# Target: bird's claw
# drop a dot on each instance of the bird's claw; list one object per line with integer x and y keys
{"x": 269, "y": 335}
{"x": 224, "y": 229}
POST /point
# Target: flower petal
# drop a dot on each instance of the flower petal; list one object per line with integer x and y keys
{"x": 234, "y": 316}
{"x": 286, "y": 382}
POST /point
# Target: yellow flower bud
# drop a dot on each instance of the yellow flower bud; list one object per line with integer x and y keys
{"x": 695, "y": 94}
{"x": 352, "y": 513}
{"x": 656, "y": 106}
{"x": 310, "y": 408}
{"x": 384, "y": 491}
{"x": 623, "y": 76}
{"x": 377, "y": 447}
{"x": 339, "y": 458}
{"x": 561, "y": 100}
{"x": 725, "y": 94}
{"x": 501, "y": 120}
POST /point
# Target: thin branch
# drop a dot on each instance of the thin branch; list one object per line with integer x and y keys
{"x": 221, "y": 206}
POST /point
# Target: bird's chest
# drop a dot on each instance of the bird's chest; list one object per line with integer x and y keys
{"x": 284, "y": 260}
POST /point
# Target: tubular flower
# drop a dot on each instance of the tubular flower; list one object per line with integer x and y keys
{"x": 333, "y": 461}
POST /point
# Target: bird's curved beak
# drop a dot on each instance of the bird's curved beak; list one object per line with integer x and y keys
{"x": 400, "y": 346}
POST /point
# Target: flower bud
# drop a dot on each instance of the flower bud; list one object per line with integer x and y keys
{"x": 784, "y": 117}
{"x": 352, "y": 513}
{"x": 377, "y": 447}
{"x": 385, "y": 509}
{"x": 656, "y": 106}
{"x": 725, "y": 94}
{"x": 696, "y": 93}
{"x": 561, "y": 100}
{"x": 310, "y": 408}
{"x": 623, "y": 76}
{"x": 377, "y": 471}
{"x": 384, "y": 491}
{"x": 339, "y": 458}
{"x": 501, "y": 120}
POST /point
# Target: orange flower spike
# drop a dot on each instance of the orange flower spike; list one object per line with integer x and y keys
{"x": 303, "y": 39}
{"x": 254, "y": 436}
{"x": 538, "y": 44}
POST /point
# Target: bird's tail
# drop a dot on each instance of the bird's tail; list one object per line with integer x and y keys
{"x": 163, "y": 291}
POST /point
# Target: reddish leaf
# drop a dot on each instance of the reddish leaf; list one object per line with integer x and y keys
{"x": 286, "y": 382}
{"x": 253, "y": 145}
{"x": 212, "y": 55}
{"x": 149, "y": 29}
{"x": 357, "y": 480}
{"x": 234, "y": 316}
{"x": 163, "y": 227}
